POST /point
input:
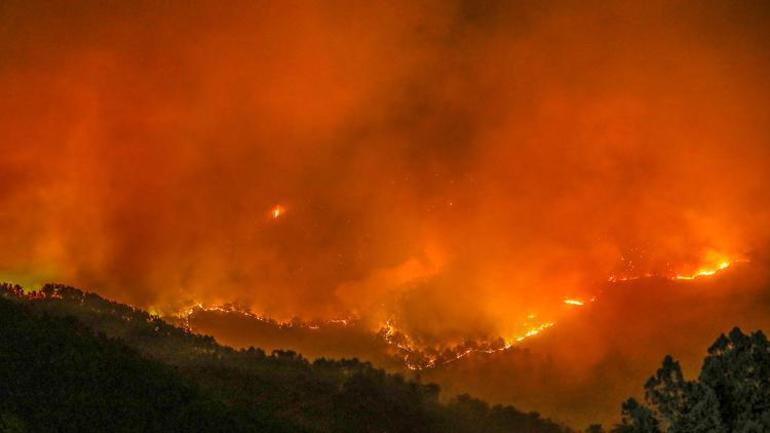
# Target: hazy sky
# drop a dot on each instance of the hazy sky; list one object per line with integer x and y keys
{"x": 454, "y": 164}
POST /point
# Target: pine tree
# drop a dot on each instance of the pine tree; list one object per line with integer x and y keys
{"x": 731, "y": 395}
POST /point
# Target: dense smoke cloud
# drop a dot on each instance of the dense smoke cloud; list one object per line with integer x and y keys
{"x": 457, "y": 165}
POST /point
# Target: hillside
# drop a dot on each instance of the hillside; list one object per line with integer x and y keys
{"x": 582, "y": 367}
{"x": 56, "y": 375}
{"x": 111, "y": 367}
{"x": 576, "y": 371}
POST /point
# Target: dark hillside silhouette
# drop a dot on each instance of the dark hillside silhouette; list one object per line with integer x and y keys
{"x": 56, "y": 375}
{"x": 142, "y": 369}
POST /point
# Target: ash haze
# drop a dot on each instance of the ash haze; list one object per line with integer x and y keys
{"x": 454, "y": 166}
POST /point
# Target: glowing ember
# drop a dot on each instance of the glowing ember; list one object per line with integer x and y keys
{"x": 574, "y": 302}
{"x": 277, "y": 211}
{"x": 185, "y": 314}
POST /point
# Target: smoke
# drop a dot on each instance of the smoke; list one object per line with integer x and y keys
{"x": 584, "y": 367}
{"x": 455, "y": 165}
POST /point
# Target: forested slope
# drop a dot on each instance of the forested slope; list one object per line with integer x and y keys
{"x": 73, "y": 361}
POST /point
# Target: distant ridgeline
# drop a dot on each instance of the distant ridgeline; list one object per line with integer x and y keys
{"x": 74, "y": 362}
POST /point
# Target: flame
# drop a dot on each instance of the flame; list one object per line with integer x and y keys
{"x": 185, "y": 314}
{"x": 705, "y": 272}
{"x": 277, "y": 211}
{"x": 323, "y": 191}
{"x": 576, "y": 302}
{"x": 415, "y": 356}
{"x": 533, "y": 331}
{"x": 412, "y": 355}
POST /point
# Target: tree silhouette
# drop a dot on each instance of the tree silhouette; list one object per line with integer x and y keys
{"x": 731, "y": 394}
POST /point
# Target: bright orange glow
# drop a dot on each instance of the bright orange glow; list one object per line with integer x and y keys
{"x": 456, "y": 177}
{"x": 413, "y": 355}
{"x": 291, "y": 182}
{"x": 574, "y": 302}
{"x": 533, "y": 331}
{"x": 705, "y": 272}
{"x": 702, "y": 271}
{"x": 277, "y": 211}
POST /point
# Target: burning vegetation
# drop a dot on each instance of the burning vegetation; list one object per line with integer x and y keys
{"x": 453, "y": 177}
{"x": 526, "y": 169}
{"x": 408, "y": 349}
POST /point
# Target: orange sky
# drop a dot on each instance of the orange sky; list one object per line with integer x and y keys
{"x": 456, "y": 165}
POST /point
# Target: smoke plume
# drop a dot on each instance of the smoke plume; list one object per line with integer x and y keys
{"x": 455, "y": 166}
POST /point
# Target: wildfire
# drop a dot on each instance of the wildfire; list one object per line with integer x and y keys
{"x": 705, "y": 272}
{"x": 186, "y": 313}
{"x": 416, "y": 356}
{"x": 533, "y": 331}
